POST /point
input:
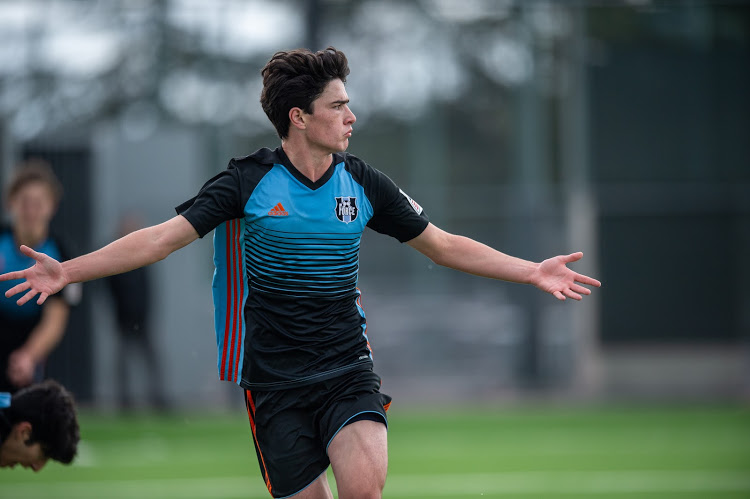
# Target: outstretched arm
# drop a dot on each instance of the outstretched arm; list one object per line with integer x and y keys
{"x": 467, "y": 255}
{"x": 137, "y": 249}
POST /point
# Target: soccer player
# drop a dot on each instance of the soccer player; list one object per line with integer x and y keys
{"x": 38, "y": 423}
{"x": 290, "y": 328}
{"x": 31, "y": 332}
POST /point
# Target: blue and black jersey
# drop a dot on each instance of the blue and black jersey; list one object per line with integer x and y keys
{"x": 17, "y": 323}
{"x": 286, "y": 251}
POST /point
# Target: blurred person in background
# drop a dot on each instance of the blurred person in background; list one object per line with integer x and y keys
{"x": 289, "y": 323}
{"x": 131, "y": 294}
{"x": 38, "y": 423}
{"x": 28, "y": 334}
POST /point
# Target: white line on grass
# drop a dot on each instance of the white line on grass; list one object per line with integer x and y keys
{"x": 549, "y": 483}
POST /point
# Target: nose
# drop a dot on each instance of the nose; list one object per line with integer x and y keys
{"x": 350, "y": 118}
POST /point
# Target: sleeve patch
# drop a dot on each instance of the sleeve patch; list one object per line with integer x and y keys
{"x": 413, "y": 203}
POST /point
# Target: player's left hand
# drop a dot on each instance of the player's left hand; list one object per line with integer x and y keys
{"x": 21, "y": 368}
{"x": 554, "y": 277}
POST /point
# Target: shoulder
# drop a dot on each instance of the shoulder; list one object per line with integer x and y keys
{"x": 359, "y": 169}
{"x": 263, "y": 157}
{"x": 253, "y": 167}
{"x": 351, "y": 161}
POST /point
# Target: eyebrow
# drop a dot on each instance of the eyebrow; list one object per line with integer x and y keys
{"x": 339, "y": 102}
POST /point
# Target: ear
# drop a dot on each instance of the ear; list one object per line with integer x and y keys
{"x": 297, "y": 118}
{"x": 22, "y": 430}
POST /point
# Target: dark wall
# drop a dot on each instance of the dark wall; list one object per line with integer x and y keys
{"x": 671, "y": 160}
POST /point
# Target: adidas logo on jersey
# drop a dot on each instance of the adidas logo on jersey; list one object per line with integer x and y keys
{"x": 278, "y": 211}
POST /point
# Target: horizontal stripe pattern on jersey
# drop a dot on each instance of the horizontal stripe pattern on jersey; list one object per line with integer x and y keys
{"x": 301, "y": 264}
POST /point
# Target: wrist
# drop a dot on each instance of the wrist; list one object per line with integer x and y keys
{"x": 534, "y": 275}
{"x": 67, "y": 273}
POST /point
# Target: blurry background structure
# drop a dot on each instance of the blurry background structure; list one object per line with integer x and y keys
{"x": 617, "y": 128}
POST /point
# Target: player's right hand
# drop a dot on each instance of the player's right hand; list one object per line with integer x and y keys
{"x": 46, "y": 277}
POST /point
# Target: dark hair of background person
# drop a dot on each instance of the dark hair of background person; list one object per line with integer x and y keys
{"x": 50, "y": 409}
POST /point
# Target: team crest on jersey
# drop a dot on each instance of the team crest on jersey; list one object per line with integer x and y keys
{"x": 346, "y": 209}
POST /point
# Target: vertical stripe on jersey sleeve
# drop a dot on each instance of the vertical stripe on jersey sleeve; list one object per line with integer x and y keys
{"x": 232, "y": 268}
{"x": 229, "y": 293}
{"x": 240, "y": 341}
{"x": 220, "y": 340}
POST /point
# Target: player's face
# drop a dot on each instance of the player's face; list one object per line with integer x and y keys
{"x": 329, "y": 126}
{"x": 15, "y": 450}
{"x": 32, "y": 206}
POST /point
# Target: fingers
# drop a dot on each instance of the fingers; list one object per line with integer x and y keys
{"x": 573, "y": 257}
{"x": 28, "y": 296}
{"x": 11, "y": 276}
{"x": 29, "y": 252}
{"x": 42, "y": 298}
{"x": 587, "y": 280}
{"x": 17, "y": 289}
{"x": 574, "y": 291}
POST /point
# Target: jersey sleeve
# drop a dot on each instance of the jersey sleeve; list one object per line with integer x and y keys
{"x": 394, "y": 212}
{"x": 219, "y": 200}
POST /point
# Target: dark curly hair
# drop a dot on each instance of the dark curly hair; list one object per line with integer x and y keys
{"x": 295, "y": 78}
{"x": 50, "y": 409}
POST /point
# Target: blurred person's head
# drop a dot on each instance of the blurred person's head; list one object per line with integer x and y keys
{"x": 32, "y": 197}
{"x": 39, "y": 424}
{"x": 296, "y": 78}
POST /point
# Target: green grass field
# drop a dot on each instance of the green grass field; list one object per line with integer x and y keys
{"x": 633, "y": 453}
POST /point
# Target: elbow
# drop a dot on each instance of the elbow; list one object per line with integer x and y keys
{"x": 160, "y": 254}
{"x": 162, "y": 244}
{"x": 440, "y": 254}
{"x": 437, "y": 259}
{"x": 157, "y": 252}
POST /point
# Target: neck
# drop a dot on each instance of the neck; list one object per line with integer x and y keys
{"x": 310, "y": 163}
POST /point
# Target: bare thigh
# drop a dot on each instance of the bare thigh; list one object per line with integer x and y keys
{"x": 359, "y": 458}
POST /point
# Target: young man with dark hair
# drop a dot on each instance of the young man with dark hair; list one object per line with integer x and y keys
{"x": 38, "y": 423}
{"x": 31, "y": 332}
{"x": 290, "y": 328}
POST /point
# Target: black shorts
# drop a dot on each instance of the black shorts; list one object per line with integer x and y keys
{"x": 293, "y": 428}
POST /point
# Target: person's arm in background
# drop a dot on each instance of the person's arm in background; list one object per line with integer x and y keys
{"x": 43, "y": 338}
{"x": 137, "y": 249}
